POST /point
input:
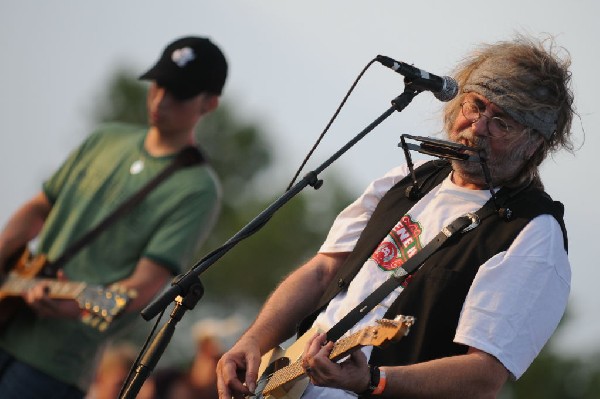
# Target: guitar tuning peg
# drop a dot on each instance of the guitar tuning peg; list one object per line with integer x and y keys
{"x": 102, "y": 326}
{"x": 86, "y": 318}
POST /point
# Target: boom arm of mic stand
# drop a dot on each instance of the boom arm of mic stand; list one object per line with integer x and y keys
{"x": 182, "y": 284}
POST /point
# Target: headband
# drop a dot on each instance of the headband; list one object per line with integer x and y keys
{"x": 498, "y": 90}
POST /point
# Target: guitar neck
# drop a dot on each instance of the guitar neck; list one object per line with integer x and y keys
{"x": 102, "y": 304}
{"x": 15, "y": 285}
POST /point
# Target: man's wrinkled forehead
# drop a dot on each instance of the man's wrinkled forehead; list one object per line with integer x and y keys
{"x": 483, "y": 102}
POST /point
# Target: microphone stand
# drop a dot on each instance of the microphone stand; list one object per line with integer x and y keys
{"x": 186, "y": 290}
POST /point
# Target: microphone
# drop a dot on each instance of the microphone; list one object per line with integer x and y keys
{"x": 443, "y": 88}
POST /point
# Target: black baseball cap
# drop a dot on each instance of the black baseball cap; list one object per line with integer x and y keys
{"x": 189, "y": 66}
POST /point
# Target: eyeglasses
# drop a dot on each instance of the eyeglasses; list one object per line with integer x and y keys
{"x": 496, "y": 126}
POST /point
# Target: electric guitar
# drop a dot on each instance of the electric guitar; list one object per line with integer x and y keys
{"x": 101, "y": 304}
{"x": 281, "y": 372}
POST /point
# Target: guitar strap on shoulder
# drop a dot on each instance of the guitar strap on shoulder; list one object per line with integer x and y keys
{"x": 188, "y": 156}
{"x": 461, "y": 225}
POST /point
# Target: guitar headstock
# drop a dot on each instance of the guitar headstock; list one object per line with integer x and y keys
{"x": 386, "y": 330}
{"x": 101, "y": 305}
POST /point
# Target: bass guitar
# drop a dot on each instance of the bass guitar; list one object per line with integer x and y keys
{"x": 281, "y": 375}
{"x": 100, "y": 304}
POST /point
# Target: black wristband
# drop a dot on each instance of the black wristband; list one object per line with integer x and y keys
{"x": 375, "y": 375}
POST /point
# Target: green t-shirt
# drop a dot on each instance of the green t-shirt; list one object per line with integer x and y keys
{"x": 166, "y": 226}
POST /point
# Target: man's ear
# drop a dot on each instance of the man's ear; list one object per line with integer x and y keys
{"x": 210, "y": 104}
{"x": 534, "y": 147}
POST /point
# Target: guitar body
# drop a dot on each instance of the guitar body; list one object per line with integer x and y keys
{"x": 275, "y": 360}
{"x": 8, "y": 308}
{"x": 26, "y": 267}
{"x": 281, "y": 375}
{"x": 292, "y": 390}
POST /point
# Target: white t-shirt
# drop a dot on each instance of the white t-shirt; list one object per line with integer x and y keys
{"x": 517, "y": 297}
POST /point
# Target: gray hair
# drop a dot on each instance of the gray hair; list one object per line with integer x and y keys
{"x": 530, "y": 82}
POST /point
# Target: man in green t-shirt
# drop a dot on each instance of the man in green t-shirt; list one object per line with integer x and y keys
{"x": 46, "y": 350}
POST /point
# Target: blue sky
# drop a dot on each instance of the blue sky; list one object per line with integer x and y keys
{"x": 290, "y": 65}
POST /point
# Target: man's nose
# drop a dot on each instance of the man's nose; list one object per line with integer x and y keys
{"x": 479, "y": 125}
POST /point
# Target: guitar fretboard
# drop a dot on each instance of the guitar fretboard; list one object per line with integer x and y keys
{"x": 15, "y": 285}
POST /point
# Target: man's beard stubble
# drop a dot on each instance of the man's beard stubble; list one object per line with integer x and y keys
{"x": 502, "y": 168}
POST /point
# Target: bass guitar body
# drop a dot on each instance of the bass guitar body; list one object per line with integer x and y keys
{"x": 24, "y": 266}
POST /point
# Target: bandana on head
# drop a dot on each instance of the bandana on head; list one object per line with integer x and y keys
{"x": 497, "y": 89}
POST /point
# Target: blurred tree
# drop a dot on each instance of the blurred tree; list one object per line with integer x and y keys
{"x": 557, "y": 377}
{"x": 253, "y": 268}
{"x": 123, "y": 100}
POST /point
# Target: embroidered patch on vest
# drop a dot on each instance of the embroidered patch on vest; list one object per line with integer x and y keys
{"x": 399, "y": 245}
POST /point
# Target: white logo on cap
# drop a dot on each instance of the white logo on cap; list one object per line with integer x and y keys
{"x": 182, "y": 56}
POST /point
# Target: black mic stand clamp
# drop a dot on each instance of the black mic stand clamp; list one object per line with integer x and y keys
{"x": 162, "y": 339}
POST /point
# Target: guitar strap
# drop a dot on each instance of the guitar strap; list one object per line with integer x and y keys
{"x": 188, "y": 156}
{"x": 459, "y": 226}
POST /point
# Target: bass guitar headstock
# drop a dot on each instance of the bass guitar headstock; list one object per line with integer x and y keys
{"x": 101, "y": 305}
